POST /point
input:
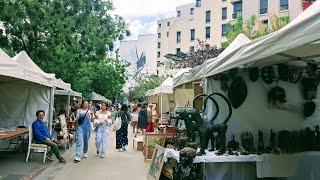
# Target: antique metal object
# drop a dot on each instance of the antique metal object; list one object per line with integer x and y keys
{"x": 247, "y": 142}
{"x": 186, "y": 169}
{"x": 233, "y": 145}
{"x": 260, "y": 143}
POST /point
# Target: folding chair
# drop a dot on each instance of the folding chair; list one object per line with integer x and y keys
{"x": 36, "y": 147}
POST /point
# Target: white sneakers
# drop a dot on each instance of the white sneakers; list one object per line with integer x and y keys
{"x": 85, "y": 155}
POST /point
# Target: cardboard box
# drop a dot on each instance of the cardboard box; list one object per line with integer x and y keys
{"x": 138, "y": 144}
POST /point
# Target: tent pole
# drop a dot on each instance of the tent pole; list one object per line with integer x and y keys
{"x": 51, "y": 109}
{"x": 68, "y": 104}
{"x": 161, "y": 107}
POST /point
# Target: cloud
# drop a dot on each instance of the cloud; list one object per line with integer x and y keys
{"x": 142, "y": 15}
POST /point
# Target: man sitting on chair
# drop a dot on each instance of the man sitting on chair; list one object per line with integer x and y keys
{"x": 42, "y": 136}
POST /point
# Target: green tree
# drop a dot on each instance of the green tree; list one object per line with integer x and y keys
{"x": 137, "y": 94}
{"x": 67, "y": 37}
{"x": 253, "y": 28}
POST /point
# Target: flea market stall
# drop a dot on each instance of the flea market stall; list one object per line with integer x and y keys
{"x": 162, "y": 96}
{"x": 272, "y": 85}
{"x": 64, "y": 99}
{"x": 23, "y": 92}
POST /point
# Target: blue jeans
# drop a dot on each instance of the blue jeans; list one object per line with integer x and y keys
{"x": 82, "y": 140}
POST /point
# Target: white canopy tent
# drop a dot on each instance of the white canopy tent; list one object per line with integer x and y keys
{"x": 69, "y": 94}
{"x": 98, "y": 97}
{"x": 298, "y": 41}
{"x": 23, "y": 92}
{"x": 165, "y": 89}
{"x": 24, "y": 60}
{"x": 209, "y": 65}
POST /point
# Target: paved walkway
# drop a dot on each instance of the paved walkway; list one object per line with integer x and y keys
{"x": 116, "y": 166}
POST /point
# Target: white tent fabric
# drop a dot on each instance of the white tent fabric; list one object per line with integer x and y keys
{"x": 66, "y": 93}
{"x": 10, "y": 68}
{"x": 296, "y": 41}
{"x": 209, "y": 65}
{"x": 98, "y": 97}
{"x": 24, "y": 60}
{"x": 166, "y": 87}
{"x": 20, "y": 101}
{"x": 238, "y": 42}
{"x": 189, "y": 76}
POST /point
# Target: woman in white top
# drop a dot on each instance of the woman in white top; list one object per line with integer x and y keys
{"x": 103, "y": 122}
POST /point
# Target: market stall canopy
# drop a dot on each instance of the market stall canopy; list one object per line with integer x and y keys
{"x": 10, "y": 68}
{"x": 66, "y": 93}
{"x": 149, "y": 92}
{"x": 24, "y": 60}
{"x": 197, "y": 73}
{"x": 238, "y": 42}
{"x": 98, "y": 97}
{"x": 166, "y": 87}
{"x": 297, "y": 41}
{"x": 189, "y": 76}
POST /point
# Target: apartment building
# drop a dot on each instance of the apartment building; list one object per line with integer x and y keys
{"x": 206, "y": 20}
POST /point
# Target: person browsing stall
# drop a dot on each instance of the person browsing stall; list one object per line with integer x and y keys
{"x": 42, "y": 136}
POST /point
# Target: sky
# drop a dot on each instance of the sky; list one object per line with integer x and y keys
{"x": 142, "y": 15}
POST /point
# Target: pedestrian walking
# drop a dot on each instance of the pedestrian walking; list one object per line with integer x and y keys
{"x": 83, "y": 131}
{"x": 103, "y": 124}
{"x": 122, "y": 133}
{"x": 134, "y": 120}
{"x": 143, "y": 118}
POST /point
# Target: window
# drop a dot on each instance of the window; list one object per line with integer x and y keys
{"x": 284, "y": 5}
{"x": 207, "y": 32}
{"x": 265, "y": 22}
{"x": 225, "y": 29}
{"x": 159, "y": 25}
{"x": 224, "y": 13}
{"x": 208, "y": 14}
{"x": 198, "y": 3}
{"x": 178, "y": 13}
{"x": 167, "y": 33}
{"x": 168, "y": 24}
{"x": 237, "y": 9}
{"x": 158, "y": 63}
{"x": 159, "y": 45}
{"x": 178, "y": 51}
{"x": 159, "y": 35}
{"x": 178, "y": 36}
{"x": 191, "y": 11}
{"x": 192, "y": 34}
{"x": 263, "y": 6}
{"x": 191, "y": 49}
{"x": 158, "y": 54}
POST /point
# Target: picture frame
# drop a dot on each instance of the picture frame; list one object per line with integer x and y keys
{"x": 152, "y": 139}
{"x": 157, "y": 162}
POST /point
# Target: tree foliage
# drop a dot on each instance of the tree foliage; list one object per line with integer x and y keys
{"x": 137, "y": 94}
{"x": 253, "y": 28}
{"x": 67, "y": 37}
{"x": 203, "y": 51}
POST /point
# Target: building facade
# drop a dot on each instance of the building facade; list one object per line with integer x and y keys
{"x": 142, "y": 56}
{"x": 206, "y": 20}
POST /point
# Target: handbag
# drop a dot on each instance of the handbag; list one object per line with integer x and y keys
{"x": 81, "y": 119}
{"x": 116, "y": 124}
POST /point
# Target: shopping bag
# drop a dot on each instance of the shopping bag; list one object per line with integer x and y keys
{"x": 116, "y": 124}
{"x": 149, "y": 127}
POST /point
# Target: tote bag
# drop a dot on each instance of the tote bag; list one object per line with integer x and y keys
{"x": 116, "y": 124}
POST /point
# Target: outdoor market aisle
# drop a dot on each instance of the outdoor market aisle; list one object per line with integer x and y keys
{"x": 116, "y": 166}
